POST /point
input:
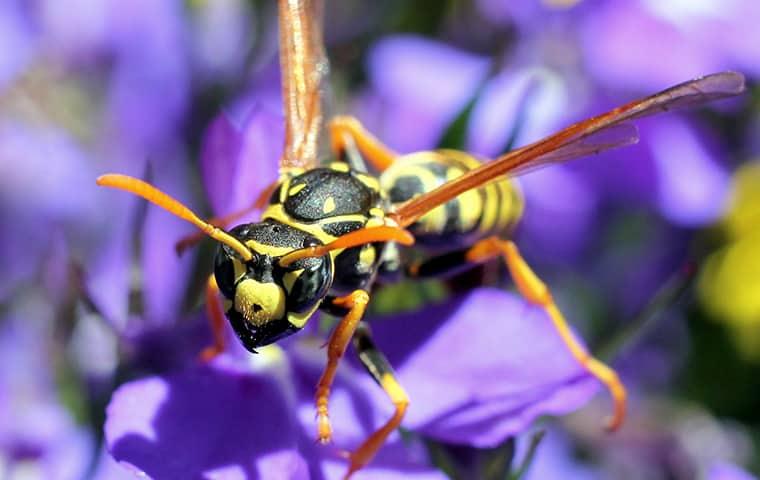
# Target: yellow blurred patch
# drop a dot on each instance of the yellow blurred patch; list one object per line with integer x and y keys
{"x": 729, "y": 284}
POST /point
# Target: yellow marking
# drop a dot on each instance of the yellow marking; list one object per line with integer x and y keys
{"x": 465, "y": 160}
{"x": 284, "y": 189}
{"x": 394, "y": 389}
{"x": 277, "y": 212}
{"x": 339, "y": 167}
{"x": 290, "y": 172}
{"x": 512, "y": 206}
{"x": 375, "y": 222}
{"x": 259, "y": 302}
{"x": 289, "y": 279}
{"x": 435, "y": 220}
{"x": 470, "y": 202}
{"x": 369, "y": 182}
{"x": 298, "y": 320}
{"x": 296, "y": 188}
{"x": 517, "y": 200}
{"x": 367, "y": 258}
{"x": 490, "y": 215}
{"x": 238, "y": 270}
{"x": 376, "y": 212}
{"x": 268, "y": 249}
{"x": 329, "y": 205}
{"x": 417, "y": 165}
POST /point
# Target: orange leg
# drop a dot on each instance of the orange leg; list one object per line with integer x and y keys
{"x": 535, "y": 291}
{"x": 190, "y": 240}
{"x": 356, "y": 302}
{"x": 345, "y": 131}
{"x": 216, "y": 319}
{"x": 363, "y": 236}
{"x": 377, "y": 365}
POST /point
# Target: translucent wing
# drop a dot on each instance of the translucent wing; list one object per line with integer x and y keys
{"x": 304, "y": 66}
{"x": 590, "y": 136}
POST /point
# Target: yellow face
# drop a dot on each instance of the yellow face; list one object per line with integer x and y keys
{"x": 259, "y": 302}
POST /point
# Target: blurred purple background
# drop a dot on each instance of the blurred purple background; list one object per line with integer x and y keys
{"x": 101, "y": 323}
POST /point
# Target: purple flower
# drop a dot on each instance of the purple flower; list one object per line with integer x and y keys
{"x": 17, "y": 45}
{"x": 496, "y": 380}
{"x": 726, "y": 471}
{"x": 690, "y": 39}
{"x": 239, "y": 157}
{"x": 38, "y": 435}
{"x": 555, "y": 459}
{"x": 35, "y": 198}
{"x": 419, "y": 86}
{"x": 221, "y": 30}
{"x": 204, "y": 422}
{"x": 229, "y": 421}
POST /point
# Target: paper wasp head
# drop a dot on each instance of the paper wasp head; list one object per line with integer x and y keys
{"x": 266, "y": 300}
{"x": 273, "y": 275}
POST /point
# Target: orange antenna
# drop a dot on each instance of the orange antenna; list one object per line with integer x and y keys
{"x": 352, "y": 239}
{"x": 159, "y": 198}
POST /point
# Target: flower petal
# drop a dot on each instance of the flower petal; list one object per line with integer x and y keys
{"x": 726, "y": 471}
{"x": 534, "y": 97}
{"x": 354, "y": 413}
{"x": 421, "y": 80}
{"x": 239, "y": 164}
{"x": 692, "y": 186}
{"x": 204, "y": 423}
{"x": 482, "y": 368}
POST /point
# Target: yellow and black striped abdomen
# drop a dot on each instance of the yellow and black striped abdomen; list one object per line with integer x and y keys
{"x": 491, "y": 209}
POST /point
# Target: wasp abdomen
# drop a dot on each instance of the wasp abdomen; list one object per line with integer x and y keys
{"x": 491, "y": 209}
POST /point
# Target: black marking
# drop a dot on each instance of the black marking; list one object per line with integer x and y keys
{"x": 275, "y": 198}
{"x": 371, "y": 357}
{"x": 440, "y": 266}
{"x": 252, "y": 336}
{"x": 341, "y": 228}
{"x": 351, "y": 276}
{"x": 405, "y": 188}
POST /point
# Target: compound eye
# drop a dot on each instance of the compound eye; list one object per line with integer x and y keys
{"x": 224, "y": 272}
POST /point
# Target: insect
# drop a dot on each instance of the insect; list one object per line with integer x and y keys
{"x": 328, "y": 233}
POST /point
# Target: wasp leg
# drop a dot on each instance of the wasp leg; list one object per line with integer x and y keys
{"x": 535, "y": 291}
{"x": 215, "y": 318}
{"x": 356, "y": 302}
{"x": 222, "y": 222}
{"x": 380, "y": 369}
{"x": 345, "y": 130}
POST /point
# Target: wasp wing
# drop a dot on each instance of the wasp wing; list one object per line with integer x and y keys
{"x": 608, "y": 138}
{"x": 304, "y": 66}
{"x": 590, "y": 136}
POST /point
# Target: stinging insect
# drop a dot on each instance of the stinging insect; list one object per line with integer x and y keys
{"x": 328, "y": 233}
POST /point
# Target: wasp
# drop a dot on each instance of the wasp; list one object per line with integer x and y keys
{"x": 329, "y": 233}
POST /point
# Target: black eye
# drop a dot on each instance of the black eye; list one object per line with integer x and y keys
{"x": 224, "y": 271}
